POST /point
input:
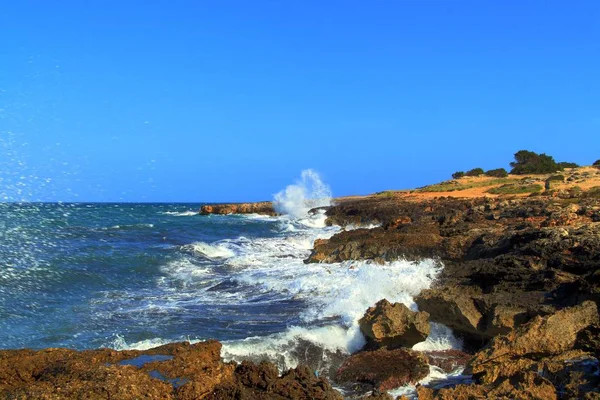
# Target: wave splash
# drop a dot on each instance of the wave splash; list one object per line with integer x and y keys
{"x": 309, "y": 192}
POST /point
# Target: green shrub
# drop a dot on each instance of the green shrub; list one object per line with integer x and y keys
{"x": 563, "y": 165}
{"x": 475, "y": 172}
{"x": 596, "y": 163}
{"x": 528, "y": 162}
{"x": 556, "y": 178}
{"x": 458, "y": 174}
{"x": 516, "y": 189}
{"x": 498, "y": 173}
{"x": 593, "y": 192}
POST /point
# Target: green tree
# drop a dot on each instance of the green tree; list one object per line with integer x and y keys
{"x": 497, "y": 173}
{"x": 528, "y": 162}
{"x": 475, "y": 172}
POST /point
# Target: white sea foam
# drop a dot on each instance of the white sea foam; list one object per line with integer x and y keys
{"x": 334, "y": 296}
{"x": 180, "y": 213}
{"x": 309, "y": 192}
{"x": 209, "y": 250}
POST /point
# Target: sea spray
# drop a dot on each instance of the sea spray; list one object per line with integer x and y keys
{"x": 297, "y": 199}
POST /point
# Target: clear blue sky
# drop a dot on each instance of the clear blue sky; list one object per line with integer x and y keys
{"x": 230, "y": 100}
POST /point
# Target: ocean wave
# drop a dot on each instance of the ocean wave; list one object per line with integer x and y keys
{"x": 180, "y": 213}
{"x": 127, "y": 227}
{"x": 208, "y": 250}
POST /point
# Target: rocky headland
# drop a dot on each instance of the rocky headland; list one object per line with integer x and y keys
{"x": 520, "y": 285}
{"x": 263, "y": 208}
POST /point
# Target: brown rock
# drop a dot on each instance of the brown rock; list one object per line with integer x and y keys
{"x": 261, "y": 382}
{"x": 394, "y": 325}
{"x": 453, "y": 306}
{"x": 264, "y": 207}
{"x": 384, "y": 369}
{"x": 516, "y": 351}
{"x": 448, "y": 360}
{"x": 376, "y": 243}
{"x": 377, "y": 395}
{"x": 522, "y": 386}
{"x": 175, "y": 371}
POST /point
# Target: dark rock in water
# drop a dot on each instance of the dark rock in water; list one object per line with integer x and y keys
{"x": 375, "y": 244}
{"x": 264, "y": 207}
{"x": 448, "y": 360}
{"x": 394, "y": 325}
{"x": 174, "y": 371}
{"x": 377, "y": 395}
{"x": 384, "y": 369}
{"x": 262, "y": 382}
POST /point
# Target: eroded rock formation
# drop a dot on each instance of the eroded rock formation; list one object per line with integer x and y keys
{"x": 174, "y": 371}
{"x": 394, "y": 325}
{"x": 264, "y": 208}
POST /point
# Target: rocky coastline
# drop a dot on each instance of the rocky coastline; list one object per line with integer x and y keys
{"x": 520, "y": 285}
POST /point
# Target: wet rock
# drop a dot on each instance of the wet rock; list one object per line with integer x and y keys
{"x": 264, "y": 208}
{"x": 447, "y": 360}
{"x": 394, "y": 325}
{"x": 377, "y": 395}
{"x": 384, "y": 369}
{"x": 176, "y": 371}
{"x": 372, "y": 244}
{"x": 261, "y": 382}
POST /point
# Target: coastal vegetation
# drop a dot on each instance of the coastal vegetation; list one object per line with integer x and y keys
{"x": 452, "y": 186}
{"x": 498, "y": 173}
{"x": 526, "y": 163}
{"x": 516, "y": 189}
{"x": 475, "y": 172}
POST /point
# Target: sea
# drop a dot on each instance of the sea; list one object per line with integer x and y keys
{"x": 139, "y": 275}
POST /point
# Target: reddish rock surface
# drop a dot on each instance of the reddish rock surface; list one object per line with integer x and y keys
{"x": 175, "y": 371}
{"x": 448, "y": 360}
{"x": 394, "y": 325}
{"x": 384, "y": 369}
{"x": 264, "y": 207}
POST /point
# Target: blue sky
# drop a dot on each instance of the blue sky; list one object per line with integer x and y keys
{"x": 230, "y": 100}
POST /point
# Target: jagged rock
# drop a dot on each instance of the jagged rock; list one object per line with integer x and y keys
{"x": 377, "y": 395}
{"x": 588, "y": 340}
{"x": 175, "y": 371}
{"x": 453, "y": 306}
{"x": 384, "y": 369}
{"x": 261, "y": 382}
{"x": 522, "y": 386}
{"x": 542, "y": 336}
{"x": 447, "y": 360}
{"x": 372, "y": 244}
{"x": 394, "y": 325}
{"x": 264, "y": 207}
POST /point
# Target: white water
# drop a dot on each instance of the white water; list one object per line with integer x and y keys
{"x": 336, "y": 295}
{"x": 180, "y": 213}
{"x": 208, "y": 250}
{"x": 297, "y": 199}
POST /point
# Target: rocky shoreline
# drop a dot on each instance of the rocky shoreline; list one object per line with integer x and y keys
{"x": 520, "y": 285}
